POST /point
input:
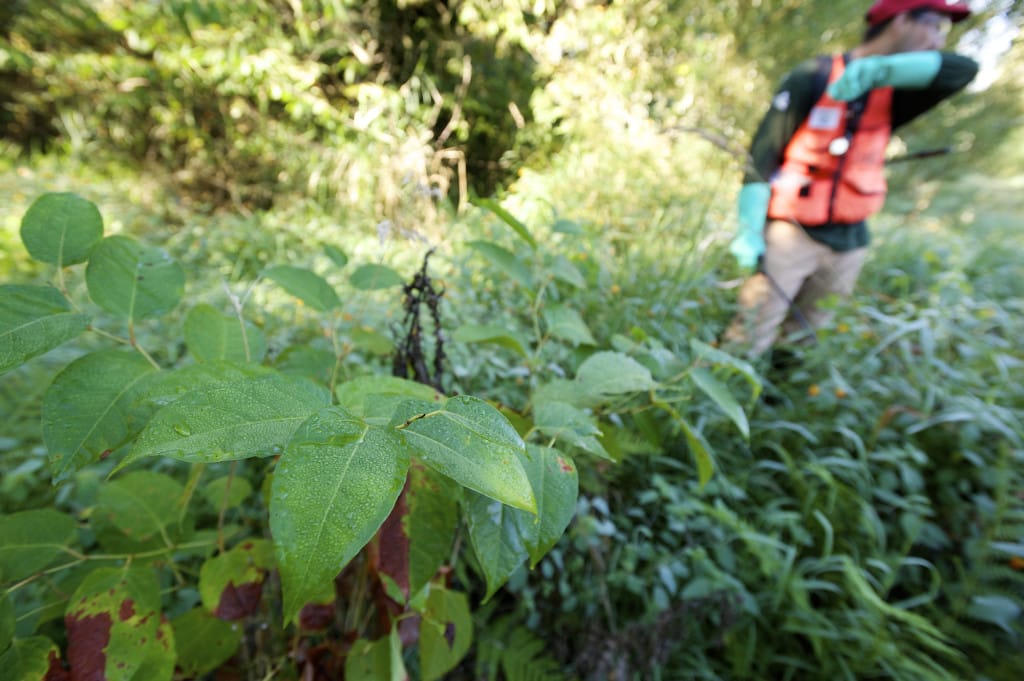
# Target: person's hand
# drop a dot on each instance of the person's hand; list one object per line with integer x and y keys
{"x": 910, "y": 70}
{"x": 748, "y": 244}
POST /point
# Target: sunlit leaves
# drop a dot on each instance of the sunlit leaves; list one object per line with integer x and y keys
{"x": 33, "y": 320}
{"x": 211, "y": 335}
{"x": 309, "y": 287}
{"x": 371, "y": 277}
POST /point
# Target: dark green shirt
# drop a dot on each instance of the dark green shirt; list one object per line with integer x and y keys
{"x": 796, "y": 96}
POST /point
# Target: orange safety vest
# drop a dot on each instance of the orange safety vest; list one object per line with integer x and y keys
{"x": 822, "y": 182}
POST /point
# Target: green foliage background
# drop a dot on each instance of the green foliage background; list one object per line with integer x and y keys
{"x": 869, "y": 526}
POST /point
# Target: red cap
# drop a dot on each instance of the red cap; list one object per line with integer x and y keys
{"x": 883, "y": 10}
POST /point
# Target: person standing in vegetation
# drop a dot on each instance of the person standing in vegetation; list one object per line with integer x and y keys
{"x": 817, "y": 164}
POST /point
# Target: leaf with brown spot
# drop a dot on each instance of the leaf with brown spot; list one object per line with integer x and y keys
{"x": 231, "y": 584}
{"x": 112, "y": 622}
{"x": 29, "y": 658}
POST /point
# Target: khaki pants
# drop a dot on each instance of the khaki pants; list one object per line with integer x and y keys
{"x": 805, "y": 271}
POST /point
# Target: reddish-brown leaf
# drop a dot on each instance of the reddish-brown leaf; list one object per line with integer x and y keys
{"x": 88, "y": 638}
{"x": 56, "y": 671}
{"x": 316, "y": 616}
{"x": 237, "y": 602}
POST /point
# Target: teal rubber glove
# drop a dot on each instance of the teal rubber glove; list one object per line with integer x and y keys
{"x": 748, "y": 245}
{"x": 911, "y": 70}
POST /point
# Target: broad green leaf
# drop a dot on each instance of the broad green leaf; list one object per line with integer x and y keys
{"x": 357, "y": 394}
{"x": 32, "y": 540}
{"x": 556, "y": 485}
{"x": 141, "y": 505}
{"x": 433, "y": 516}
{"x": 613, "y": 373}
{"x": 496, "y": 536}
{"x": 228, "y": 491}
{"x": 203, "y": 642}
{"x": 89, "y": 409}
{"x": 211, "y": 335}
{"x": 230, "y": 583}
{"x": 506, "y": 217}
{"x": 721, "y": 396}
{"x": 472, "y": 443}
{"x": 164, "y": 387}
{"x": 565, "y": 271}
{"x": 700, "y": 449}
{"x": 563, "y": 226}
{"x": 308, "y": 361}
{"x": 34, "y": 320}
{"x": 29, "y": 659}
{"x": 112, "y": 622}
{"x": 1001, "y": 611}
{"x": 567, "y": 324}
{"x": 446, "y": 632}
{"x": 504, "y": 260}
{"x": 336, "y": 255}
{"x": 132, "y": 280}
{"x": 6, "y": 621}
{"x": 568, "y": 424}
{"x": 379, "y": 660}
{"x": 371, "y": 277}
{"x": 723, "y": 359}
{"x": 247, "y": 418}
{"x": 491, "y": 333}
{"x": 335, "y": 484}
{"x": 61, "y": 229}
{"x": 309, "y": 287}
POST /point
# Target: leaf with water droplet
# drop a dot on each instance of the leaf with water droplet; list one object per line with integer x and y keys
{"x": 237, "y": 420}
{"x": 471, "y": 442}
{"x": 336, "y": 483}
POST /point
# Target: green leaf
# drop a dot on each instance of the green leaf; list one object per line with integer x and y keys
{"x": 495, "y": 531}
{"x": 379, "y": 660}
{"x": 505, "y": 261}
{"x": 141, "y": 505}
{"x": 34, "y": 320}
{"x": 362, "y": 396}
{"x": 29, "y": 659}
{"x": 432, "y": 519}
{"x": 446, "y": 632}
{"x": 230, "y": 583}
{"x": 89, "y": 409}
{"x": 336, "y": 255}
{"x": 700, "y": 449}
{"x": 555, "y": 483}
{"x": 161, "y": 656}
{"x": 564, "y": 270}
{"x": 371, "y": 277}
{"x": 6, "y": 621}
{"x": 491, "y": 333}
{"x": 721, "y": 396}
{"x": 1001, "y": 611}
{"x": 506, "y": 217}
{"x": 211, "y": 336}
{"x": 571, "y": 425}
{"x": 723, "y": 359}
{"x": 613, "y": 373}
{"x": 567, "y": 324}
{"x": 112, "y": 623}
{"x": 248, "y": 418}
{"x": 365, "y": 338}
{"x": 203, "y": 642}
{"x": 31, "y": 540}
{"x": 309, "y": 287}
{"x": 61, "y": 229}
{"x": 132, "y": 280}
{"x": 471, "y": 442}
{"x": 228, "y": 491}
{"x": 335, "y": 484}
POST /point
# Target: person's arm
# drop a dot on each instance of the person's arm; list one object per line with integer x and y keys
{"x": 790, "y": 106}
{"x": 955, "y": 72}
